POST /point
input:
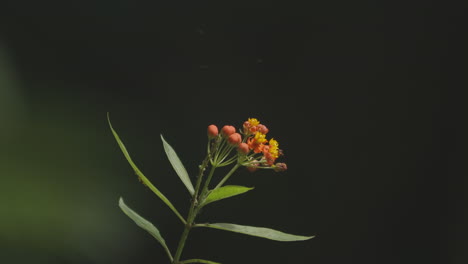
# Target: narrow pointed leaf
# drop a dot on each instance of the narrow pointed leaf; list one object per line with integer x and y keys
{"x": 178, "y": 166}
{"x": 141, "y": 176}
{"x": 199, "y": 261}
{"x": 225, "y": 192}
{"x": 145, "y": 224}
{"x": 257, "y": 231}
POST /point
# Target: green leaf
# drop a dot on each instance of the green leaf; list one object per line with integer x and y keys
{"x": 199, "y": 261}
{"x": 178, "y": 166}
{"x": 257, "y": 231}
{"x": 225, "y": 192}
{"x": 140, "y": 174}
{"x": 145, "y": 224}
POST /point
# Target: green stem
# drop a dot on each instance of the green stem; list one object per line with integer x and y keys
{"x": 193, "y": 210}
{"x": 207, "y": 182}
{"x": 227, "y": 176}
{"x": 219, "y": 149}
{"x": 224, "y": 153}
{"x": 183, "y": 238}
{"x": 190, "y": 218}
{"x": 227, "y": 162}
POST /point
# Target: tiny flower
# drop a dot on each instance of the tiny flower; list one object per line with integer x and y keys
{"x": 280, "y": 167}
{"x": 259, "y": 138}
{"x": 228, "y": 130}
{"x": 269, "y": 158}
{"x": 271, "y": 152}
{"x": 256, "y": 143}
{"x": 253, "y": 121}
{"x": 243, "y": 148}
{"x": 234, "y": 139}
{"x": 253, "y": 129}
{"x": 251, "y": 126}
{"x": 212, "y": 131}
{"x": 274, "y": 150}
{"x": 246, "y": 125}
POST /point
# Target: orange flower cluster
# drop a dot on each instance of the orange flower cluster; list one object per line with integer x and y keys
{"x": 252, "y": 125}
{"x": 253, "y": 142}
{"x": 257, "y": 141}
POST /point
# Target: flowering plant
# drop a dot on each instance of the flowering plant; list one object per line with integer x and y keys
{"x": 247, "y": 148}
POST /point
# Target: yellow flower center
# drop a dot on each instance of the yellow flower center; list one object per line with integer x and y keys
{"x": 260, "y": 138}
{"x": 253, "y": 121}
{"x": 274, "y": 148}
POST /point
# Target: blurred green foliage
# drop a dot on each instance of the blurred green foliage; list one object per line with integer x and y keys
{"x": 56, "y": 188}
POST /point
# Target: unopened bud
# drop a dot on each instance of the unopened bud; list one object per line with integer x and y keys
{"x": 247, "y": 126}
{"x": 228, "y": 130}
{"x": 280, "y": 166}
{"x": 243, "y": 148}
{"x": 262, "y": 129}
{"x": 212, "y": 131}
{"x": 235, "y": 139}
{"x": 252, "y": 168}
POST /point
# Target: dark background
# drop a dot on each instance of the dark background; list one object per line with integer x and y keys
{"x": 360, "y": 96}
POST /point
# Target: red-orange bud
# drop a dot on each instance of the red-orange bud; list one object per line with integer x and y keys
{"x": 243, "y": 148}
{"x": 280, "y": 167}
{"x": 247, "y": 126}
{"x": 262, "y": 129}
{"x": 235, "y": 139}
{"x": 252, "y": 168}
{"x": 228, "y": 130}
{"x": 212, "y": 131}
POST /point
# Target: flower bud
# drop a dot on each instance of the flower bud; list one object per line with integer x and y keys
{"x": 247, "y": 125}
{"x": 212, "y": 131}
{"x": 228, "y": 130}
{"x": 262, "y": 129}
{"x": 243, "y": 148}
{"x": 253, "y": 129}
{"x": 252, "y": 167}
{"x": 280, "y": 167}
{"x": 234, "y": 139}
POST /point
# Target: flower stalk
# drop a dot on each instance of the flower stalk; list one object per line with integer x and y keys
{"x": 193, "y": 209}
{"x": 247, "y": 148}
{"x": 227, "y": 176}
